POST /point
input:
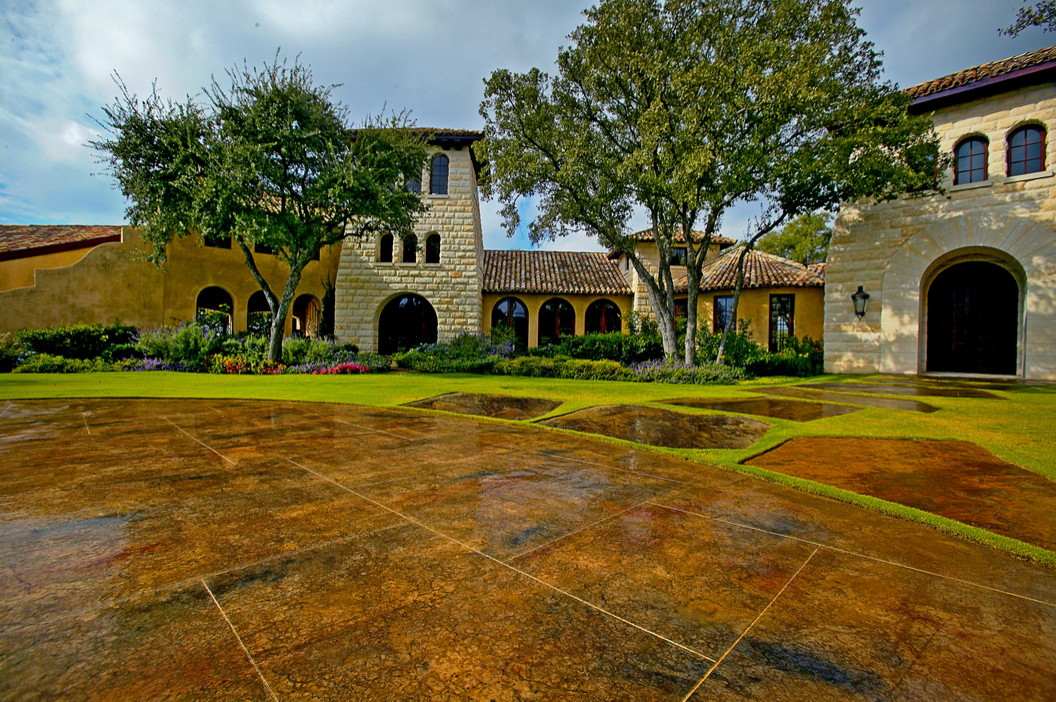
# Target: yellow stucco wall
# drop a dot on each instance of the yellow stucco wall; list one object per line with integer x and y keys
{"x": 808, "y": 316}
{"x": 113, "y": 281}
{"x": 18, "y": 272}
{"x": 535, "y": 301}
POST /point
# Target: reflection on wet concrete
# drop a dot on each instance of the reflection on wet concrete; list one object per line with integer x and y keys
{"x": 497, "y": 406}
{"x": 847, "y": 398}
{"x": 768, "y": 407}
{"x": 891, "y": 389}
{"x": 374, "y": 553}
{"x": 956, "y": 479}
{"x": 660, "y": 427}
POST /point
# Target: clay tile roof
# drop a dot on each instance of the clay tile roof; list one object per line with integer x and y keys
{"x": 22, "y": 240}
{"x": 818, "y": 268}
{"x": 647, "y": 235}
{"x": 761, "y": 270}
{"x": 558, "y": 272}
{"x": 985, "y": 72}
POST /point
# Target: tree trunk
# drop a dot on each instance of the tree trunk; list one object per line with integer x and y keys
{"x": 278, "y": 314}
{"x": 732, "y": 324}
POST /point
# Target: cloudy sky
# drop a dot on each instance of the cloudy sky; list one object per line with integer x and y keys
{"x": 429, "y": 56}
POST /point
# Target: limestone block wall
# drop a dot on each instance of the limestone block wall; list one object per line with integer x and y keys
{"x": 453, "y": 286}
{"x": 893, "y": 249}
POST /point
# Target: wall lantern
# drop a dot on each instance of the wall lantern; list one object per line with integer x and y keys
{"x": 860, "y": 298}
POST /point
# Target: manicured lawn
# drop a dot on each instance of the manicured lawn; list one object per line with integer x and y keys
{"x": 1016, "y": 426}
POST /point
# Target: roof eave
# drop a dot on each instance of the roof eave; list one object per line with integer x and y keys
{"x": 983, "y": 87}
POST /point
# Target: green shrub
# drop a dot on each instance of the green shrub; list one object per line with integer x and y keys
{"x": 563, "y": 367}
{"x": 82, "y": 341}
{"x": 703, "y": 374}
{"x": 615, "y": 346}
{"x": 187, "y": 346}
{"x": 466, "y": 353}
{"x": 50, "y": 363}
{"x": 298, "y": 351}
{"x": 740, "y": 346}
{"x": 12, "y": 353}
{"x": 800, "y": 357}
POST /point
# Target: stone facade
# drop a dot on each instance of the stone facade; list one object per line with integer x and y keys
{"x": 895, "y": 250}
{"x": 365, "y": 284}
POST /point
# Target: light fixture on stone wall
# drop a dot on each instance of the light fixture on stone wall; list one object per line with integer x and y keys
{"x": 860, "y": 298}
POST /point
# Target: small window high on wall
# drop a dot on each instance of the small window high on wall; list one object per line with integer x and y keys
{"x": 969, "y": 161}
{"x": 1026, "y": 150}
{"x": 432, "y": 248}
{"x": 438, "y": 178}
{"x": 385, "y": 249}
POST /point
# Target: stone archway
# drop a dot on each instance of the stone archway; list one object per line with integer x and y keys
{"x": 405, "y": 322}
{"x": 972, "y": 322}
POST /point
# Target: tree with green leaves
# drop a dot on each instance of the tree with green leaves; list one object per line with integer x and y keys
{"x": 685, "y": 108}
{"x": 805, "y": 239}
{"x": 270, "y": 161}
{"x": 1040, "y": 14}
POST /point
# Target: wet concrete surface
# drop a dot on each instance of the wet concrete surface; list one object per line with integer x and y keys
{"x": 496, "y": 406}
{"x": 768, "y": 407}
{"x": 956, "y": 479}
{"x": 660, "y": 427}
{"x": 920, "y": 390}
{"x": 802, "y": 392}
{"x": 263, "y": 550}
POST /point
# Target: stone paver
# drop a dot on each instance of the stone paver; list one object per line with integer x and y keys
{"x": 225, "y": 549}
{"x": 498, "y": 406}
{"x": 778, "y": 408}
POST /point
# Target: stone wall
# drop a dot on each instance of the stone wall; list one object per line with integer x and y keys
{"x": 453, "y": 286}
{"x": 893, "y": 249}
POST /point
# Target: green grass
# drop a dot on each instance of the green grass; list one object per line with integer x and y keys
{"x": 1016, "y": 427}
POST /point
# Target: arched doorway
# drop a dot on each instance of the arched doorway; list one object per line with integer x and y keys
{"x": 258, "y": 314}
{"x": 973, "y": 319}
{"x": 511, "y": 313}
{"x": 405, "y": 322}
{"x": 214, "y": 308}
{"x": 306, "y": 314}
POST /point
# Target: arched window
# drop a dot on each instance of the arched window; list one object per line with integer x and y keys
{"x": 1026, "y": 150}
{"x": 405, "y": 322}
{"x": 410, "y": 249}
{"x": 556, "y": 319}
{"x": 432, "y": 248}
{"x": 438, "y": 179}
{"x": 385, "y": 249}
{"x": 970, "y": 161}
{"x": 214, "y": 308}
{"x": 603, "y": 316}
{"x": 509, "y": 312}
{"x": 258, "y": 314}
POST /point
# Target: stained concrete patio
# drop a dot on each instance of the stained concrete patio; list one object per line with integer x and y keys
{"x": 224, "y": 549}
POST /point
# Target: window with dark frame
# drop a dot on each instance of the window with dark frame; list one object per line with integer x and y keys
{"x": 432, "y": 248}
{"x": 721, "y": 312}
{"x": 782, "y": 320}
{"x": 438, "y": 176}
{"x": 1026, "y": 150}
{"x": 217, "y": 242}
{"x": 970, "y": 158}
{"x": 678, "y": 256}
{"x": 385, "y": 249}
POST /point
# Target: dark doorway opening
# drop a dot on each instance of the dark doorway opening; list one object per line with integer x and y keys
{"x": 407, "y": 321}
{"x": 973, "y": 312}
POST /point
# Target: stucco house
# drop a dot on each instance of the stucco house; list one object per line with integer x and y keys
{"x": 964, "y": 281}
{"x": 381, "y": 293}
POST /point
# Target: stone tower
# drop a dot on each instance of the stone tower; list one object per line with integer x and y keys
{"x": 394, "y": 294}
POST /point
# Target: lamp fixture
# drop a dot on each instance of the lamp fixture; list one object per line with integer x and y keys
{"x": 860, "y": 298}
